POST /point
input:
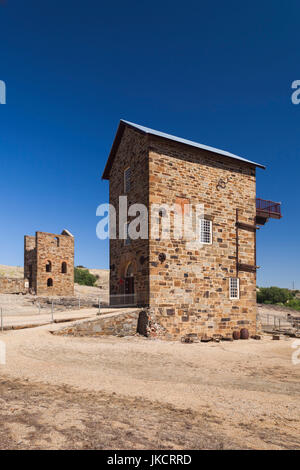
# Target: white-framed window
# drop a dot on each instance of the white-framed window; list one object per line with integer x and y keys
{"x": 205, "y": 231}
{"x": 234, "y": 288}
{"x": 127, "y": 177}
{"x": 127, "y": 240}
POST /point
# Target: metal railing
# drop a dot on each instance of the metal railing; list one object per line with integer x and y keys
{"x": 138, "y": 299}
{"x": 268, "y": 207}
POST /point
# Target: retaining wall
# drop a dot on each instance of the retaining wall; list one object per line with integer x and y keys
{"x": 13, "y": 286}
{"x": 122, "y": 323}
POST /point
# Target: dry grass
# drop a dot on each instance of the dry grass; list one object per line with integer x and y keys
{"x": 11, "y": 271}
{"x": 41, "y": 416}
{"x": 134, "y": 393}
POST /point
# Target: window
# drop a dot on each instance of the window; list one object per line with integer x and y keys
{"x": 234, "y": 288}
{"x": 48, "y": 267}
{"x": 64, "y": 268}
{"x": 56, "y": 241}
{"x": 127, "y": 176}
{"x": 49, "y": 282}
{"x": 127, "y": 240}
{"x": 205, "y": 231}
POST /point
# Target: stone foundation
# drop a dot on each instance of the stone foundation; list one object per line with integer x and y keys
{"x": 122, "y": 323}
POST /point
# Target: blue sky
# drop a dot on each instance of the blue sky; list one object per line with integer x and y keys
{"x": 219, "y": 73}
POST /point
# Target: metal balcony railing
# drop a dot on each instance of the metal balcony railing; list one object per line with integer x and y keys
{"x": 265, "y": 208}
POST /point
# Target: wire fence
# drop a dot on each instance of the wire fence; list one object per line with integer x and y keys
{"x": 137, "y": 299}
{"x": 281, "y": 323}
{"x": 22, "y": 311}
{"x": 31, "y": 312}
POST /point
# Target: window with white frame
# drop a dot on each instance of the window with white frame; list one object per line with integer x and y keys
{"x": 205, "y": 231}
{"x": 234, "y": 288}
{"x": 127, "y": 238}
{"x": 127, "y": 177}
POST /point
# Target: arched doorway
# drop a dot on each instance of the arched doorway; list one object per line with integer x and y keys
{"x": 129, "y": 285}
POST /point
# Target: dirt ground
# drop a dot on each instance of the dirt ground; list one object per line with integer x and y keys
{"x": 134, "y": 393}
{"x": 28, "y": 305}
{"x": 18, "y": 304}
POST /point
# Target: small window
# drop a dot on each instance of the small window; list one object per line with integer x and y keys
{"x": 127, "y": 240}
{"x": 234, "y": 288}
{"x": 205, "y": 231}
{"x": 56, "y": 241}
{"x": 50, "y": 282}
{"x": 48, "y": 267}
{"x": 127, "y": 177}
{"x": 64, "y": 268}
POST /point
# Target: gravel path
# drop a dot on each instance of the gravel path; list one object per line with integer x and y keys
{"x": 247, "y": 392}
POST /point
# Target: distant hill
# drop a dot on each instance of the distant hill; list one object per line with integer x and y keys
{"x": 11, "y": 271}
{"x": 103, "y": 277}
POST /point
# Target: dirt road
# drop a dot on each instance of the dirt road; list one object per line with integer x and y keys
{"x": 65, "y": 392}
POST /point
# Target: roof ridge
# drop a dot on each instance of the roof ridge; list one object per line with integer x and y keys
{"x": 148, "y": 130}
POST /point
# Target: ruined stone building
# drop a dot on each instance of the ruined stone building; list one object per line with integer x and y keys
{"x": 207, "y": 288}
{"x": 49, "y": 263}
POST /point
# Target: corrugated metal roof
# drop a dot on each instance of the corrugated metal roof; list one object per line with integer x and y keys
{"x": 150, "y": 131}
{"x": 147, "y": 130}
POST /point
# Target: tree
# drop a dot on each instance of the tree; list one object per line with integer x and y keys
{"x": 84, "y": 277}
{"x": 273, "y": 295}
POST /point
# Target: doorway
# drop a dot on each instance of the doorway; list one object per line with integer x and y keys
{"x": 129, "y": 286}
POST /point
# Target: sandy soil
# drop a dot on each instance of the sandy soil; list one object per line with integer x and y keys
{"x": 134, "y": 393}
{"x": 28, "y": 305}
{"x": 93, "y": 293}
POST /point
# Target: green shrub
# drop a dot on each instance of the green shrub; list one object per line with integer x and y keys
{"x": 273, "y": 295}
{"x": 84, "y": 277}
{"x": 294, "y": 304}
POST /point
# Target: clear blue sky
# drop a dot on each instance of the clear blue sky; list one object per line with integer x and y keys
{"x": 219, "y": 73}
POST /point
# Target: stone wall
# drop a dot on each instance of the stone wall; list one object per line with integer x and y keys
{"x": 30, "y": 267}
{"x": 132, "y": 152}
{"x": 56, "y": 251}
{"x": 13, "y": 286}
{"x": 189, "y": 291}
{"x": 122, "y": 323}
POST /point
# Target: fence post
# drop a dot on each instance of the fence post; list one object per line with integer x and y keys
{"x": 39, "y": 305}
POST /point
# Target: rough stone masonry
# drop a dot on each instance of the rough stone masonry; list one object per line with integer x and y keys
{"x": 49, "y": 263}
{"x": 186, "y": 290}
{"x": 48, "y": 266}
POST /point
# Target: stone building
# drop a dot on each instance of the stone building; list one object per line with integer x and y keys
{"x": 49, "y": 263}
{"x": 205, "y": 288}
